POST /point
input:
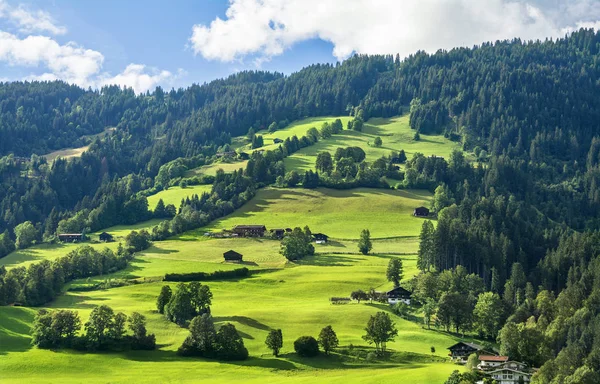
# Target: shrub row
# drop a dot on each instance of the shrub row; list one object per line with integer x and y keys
{"x": 204, "y": 276}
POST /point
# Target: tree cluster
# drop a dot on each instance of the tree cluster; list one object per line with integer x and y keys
{"x": 105, "y": 330}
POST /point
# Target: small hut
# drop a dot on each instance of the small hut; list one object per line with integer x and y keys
{"x": 232, "y": 256}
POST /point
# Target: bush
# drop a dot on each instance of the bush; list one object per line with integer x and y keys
{"x": 203, "y": 276}
{"x": 306, "y": 346}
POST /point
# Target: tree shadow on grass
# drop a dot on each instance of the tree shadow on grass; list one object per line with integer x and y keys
{"x": 171, "y": 356}
{"x": 75, "y": 299}
{"x": 337, "y": 360}
{"x": 243, "y": 320}
{"x": 327, "y": 261}
{"x": 15, "y": 329}
{"x": 162, "y": 251}
{"x": 387, "y": 308}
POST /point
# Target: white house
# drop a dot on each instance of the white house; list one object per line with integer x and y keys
{"x": 510, "y": 376}
{"x": 489, "y": 362}
{"x": 516, "y": 365}
{"x": 398, "y": 295}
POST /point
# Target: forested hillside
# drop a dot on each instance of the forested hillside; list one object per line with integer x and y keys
{"x": 530, "y": 111}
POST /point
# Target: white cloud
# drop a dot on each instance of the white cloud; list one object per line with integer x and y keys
{"x": 69, "y": 62}
{"x": 39, "y": 21}
{"x": 75, "y": 64}
{"x": 266, "y": 28}
{"x": 28, "y": 21}
{"x": 140, "y": 77}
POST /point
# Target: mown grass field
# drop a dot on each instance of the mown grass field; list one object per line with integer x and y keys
{"x": 294, "y": 298}
{"x": 174, "y": 195}
{"x": 340, "y": 214}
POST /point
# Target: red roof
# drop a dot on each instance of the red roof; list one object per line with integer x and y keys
{"x": 493, "y": 358}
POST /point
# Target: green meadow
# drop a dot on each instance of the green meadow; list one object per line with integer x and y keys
{"x": 291, "y": 296}
{"x": 340, "y": 214}
{"x": 395, "y": 134}
{"x": 174, "y": 195}
{"x": 211, "y": 169}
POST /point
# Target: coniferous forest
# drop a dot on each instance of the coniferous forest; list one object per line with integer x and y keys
{"x": 524, "y": 218}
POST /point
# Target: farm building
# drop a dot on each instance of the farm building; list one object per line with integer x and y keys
{"x": 277, "y": 141}
{"x": 421, "y": 212}
{"x": 320, "y": 238}
{"x": 398, "y": 295}
{"x": 460, "y": 351}
{"x": 250, "y": 230}
{"x": 71, "y": 237}
{"x": 277, "y": 233}
{"x": 244, "y": 156}
{"x": 232, "y": 255}
{"x": 106, "y": 237}
{"x": 487, "y": 362}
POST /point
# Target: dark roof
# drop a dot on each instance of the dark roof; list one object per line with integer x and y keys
{"x": 422, "y": 208}
{"x": 231, "y": 254}
{"x": 105, "y": 234}
{"x": 249, "y": 227}
{"x": 398, "y": 292}
{"x": 476, "y": 347}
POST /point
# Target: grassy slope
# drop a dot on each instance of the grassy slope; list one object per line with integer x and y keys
{"x": 337, "y": 213}
{"x": 68, "y": 153}
{"x": 394, "y": 132}
{"x": 294, "y": 297}
{"x": 212, "y": 169}
{"x": 254, "y": 305}
{"x": 174, "y": 195}
{"x": 53, "y": 251}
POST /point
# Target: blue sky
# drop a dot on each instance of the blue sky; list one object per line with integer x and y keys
{"x": 144, "y": 43}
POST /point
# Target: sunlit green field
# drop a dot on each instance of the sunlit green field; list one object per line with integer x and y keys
{"x": 212, "y": 169}
{"x": 174, "y": 195}
{"x": 394, "y": 132}
{"x": 294, "y": 299}
{"x": 337, "y": 213}
{"x": 291, "y": 296}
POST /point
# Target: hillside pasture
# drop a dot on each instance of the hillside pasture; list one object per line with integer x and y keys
{"x": 294, "y": 299}
{"x": 174, "y": 195}
{"x": 211, "y": 169}
{"x": 395, "y": 133}
{"x": 340, "y": 214}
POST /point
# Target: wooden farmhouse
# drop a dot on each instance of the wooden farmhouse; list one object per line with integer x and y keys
{"x": 277, "y": 233}
{"x": 460, "y": 351}
{"x": 398, "y": 295}
{"x": 250, "y": 230}
{"x": 106, "y": 237}
{"x": 71, "y": 237}
{"x": 232, "y": 256}
{"x": 421, "y": 212}
{"x": 320, "y": 238}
